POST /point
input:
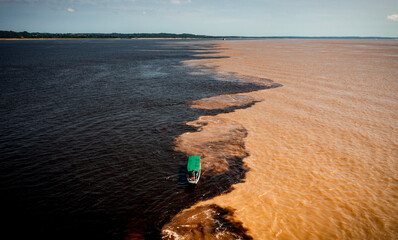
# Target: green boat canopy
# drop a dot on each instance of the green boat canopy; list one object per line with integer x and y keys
{"x": 193, "y": 163}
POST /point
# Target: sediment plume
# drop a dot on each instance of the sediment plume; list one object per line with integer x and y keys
{"x": 205, "y": 222}
{"x": 323, "y": 148}
{"x": 217, "y": 141}
{"x": 207, "y": 69}
{"x": 223, "y": 101}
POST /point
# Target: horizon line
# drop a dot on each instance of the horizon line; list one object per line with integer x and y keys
{"x": 201, "y": 35}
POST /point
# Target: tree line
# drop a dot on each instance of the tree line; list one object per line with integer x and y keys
{"x": 21, "y": 35}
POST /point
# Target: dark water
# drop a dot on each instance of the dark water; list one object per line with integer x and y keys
{"x": 86, "y": 136}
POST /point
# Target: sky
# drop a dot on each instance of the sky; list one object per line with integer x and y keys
{"x": 208, "y": 17}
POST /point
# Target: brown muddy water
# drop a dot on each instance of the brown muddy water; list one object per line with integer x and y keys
{"x": 321, "y": 151}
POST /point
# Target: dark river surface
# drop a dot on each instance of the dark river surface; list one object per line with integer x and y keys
{"x": 87, "y": 131}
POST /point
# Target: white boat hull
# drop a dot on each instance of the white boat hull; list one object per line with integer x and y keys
{"x": 194, "y": 181}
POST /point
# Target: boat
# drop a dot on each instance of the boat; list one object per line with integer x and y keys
{"x": 193, "y": 168}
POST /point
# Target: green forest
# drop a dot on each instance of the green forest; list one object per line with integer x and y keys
{"x": 12, "y": 34}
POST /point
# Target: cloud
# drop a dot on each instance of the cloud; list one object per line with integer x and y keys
{"x": 70, "y": 10}
{"x": 180, "y": 1}
{"x": 393, "y": 17}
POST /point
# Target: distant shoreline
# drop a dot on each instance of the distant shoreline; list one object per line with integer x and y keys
{"x": 41, "y": 35}
{"x": 11, "y": 35}
{"x": 25, "y": 39}
{"x": 216, "y": 38}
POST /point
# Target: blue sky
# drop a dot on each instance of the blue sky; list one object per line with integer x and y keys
{"x": 209, "y": 17}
